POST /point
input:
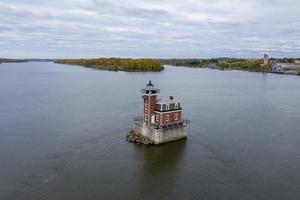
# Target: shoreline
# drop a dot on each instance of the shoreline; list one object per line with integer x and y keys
{"x": 104, "y": 68}
{"x": 116, "y": 64}
{"x": 238, "y": 69}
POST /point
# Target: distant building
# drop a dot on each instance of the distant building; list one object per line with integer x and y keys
{"x": 286, "y": 68}
{"x": 276, "y": 67}
{"x": 266, "y": 59}
{"x": 213, "y": 66}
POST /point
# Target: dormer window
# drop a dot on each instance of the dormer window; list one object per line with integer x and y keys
{"x": 172, "y": 106}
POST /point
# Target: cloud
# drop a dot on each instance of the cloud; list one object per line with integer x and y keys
{"x": 149, "y": 28}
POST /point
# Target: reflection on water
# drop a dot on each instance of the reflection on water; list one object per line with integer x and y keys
{"x": 160, "y": 164}
{"x": 162, "y": 158}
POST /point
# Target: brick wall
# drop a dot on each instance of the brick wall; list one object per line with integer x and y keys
{"x": 149, "y": 101}
{"x": 167, "y": 118}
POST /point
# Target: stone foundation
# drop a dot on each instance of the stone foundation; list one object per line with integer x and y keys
{"x": 159, "y": 136}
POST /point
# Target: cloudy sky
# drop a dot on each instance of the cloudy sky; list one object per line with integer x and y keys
{"x": 149, "y": 28}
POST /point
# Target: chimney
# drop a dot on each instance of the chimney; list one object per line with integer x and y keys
{"x": 171, "y": 98}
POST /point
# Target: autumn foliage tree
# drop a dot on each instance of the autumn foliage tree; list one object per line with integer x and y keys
{"x": 124, "y": 64}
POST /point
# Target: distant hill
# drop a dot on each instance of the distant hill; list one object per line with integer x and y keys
{"x": 8, "y": 60}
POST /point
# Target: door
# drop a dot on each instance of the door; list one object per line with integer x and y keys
{"x": 152, "y": 119}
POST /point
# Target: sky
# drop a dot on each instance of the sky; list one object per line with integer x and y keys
{"x": 149, "y": 28}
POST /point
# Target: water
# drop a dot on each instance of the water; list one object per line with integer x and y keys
{"x": 62, "y": 131}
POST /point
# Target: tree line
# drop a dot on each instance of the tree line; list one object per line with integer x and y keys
{"x": 221, "y": 63}
{"x": 116, "y": 64}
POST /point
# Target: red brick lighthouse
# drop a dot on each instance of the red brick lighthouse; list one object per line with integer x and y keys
{"x": 162, "y": 119}
{"x": 160, "y": 112}
{"x": 150, "y": 98}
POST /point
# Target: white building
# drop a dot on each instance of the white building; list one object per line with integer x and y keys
{"x": 286, "y": 68}
{"x": 276, "y": 67}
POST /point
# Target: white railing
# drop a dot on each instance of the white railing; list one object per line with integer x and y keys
{"x": 137, "y": 119}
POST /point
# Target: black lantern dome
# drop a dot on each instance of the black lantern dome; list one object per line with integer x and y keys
{"x": 150, "y": 89}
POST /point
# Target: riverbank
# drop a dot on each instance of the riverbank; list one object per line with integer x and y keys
{"x": 250, "y": 65}
{"x": 117, "y": 64}
{"x": 219, "y": 63}
{"x": 5, "y": 60}
{"x": 8, "y": 60}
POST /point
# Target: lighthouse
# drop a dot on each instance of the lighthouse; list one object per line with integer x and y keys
{"x": 162, "y": 120}
{"x": 149, "y": 98}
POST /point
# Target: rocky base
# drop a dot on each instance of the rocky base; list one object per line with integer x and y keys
{"x": 137, "y": 138}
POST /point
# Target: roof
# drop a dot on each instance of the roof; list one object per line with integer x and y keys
{"x": 167, "y": 101}
{"x": 150, "y": 84}
{"x": 150, "y": 89}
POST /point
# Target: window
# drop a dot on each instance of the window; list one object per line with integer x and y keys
{"x": 156, "y": 118}
{"x": 175, "y": 116}
{"x": 145, "y": 118}
{"x": 167, "y": 106}
{"x": 172, "y": 106}
{"x": 163, "y": 107}
{"x": 167, "y": 118}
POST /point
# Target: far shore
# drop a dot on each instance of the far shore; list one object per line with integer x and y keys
{"x": 117, "y": 64}
{"x": 157, "y": 65}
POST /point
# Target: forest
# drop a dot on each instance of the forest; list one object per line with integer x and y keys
{"x": 117, "y": 64}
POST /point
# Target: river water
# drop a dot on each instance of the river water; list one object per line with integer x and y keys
{"x": 62, "y": 135}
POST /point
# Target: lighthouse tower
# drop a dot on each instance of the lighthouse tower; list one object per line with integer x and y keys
{"x": 150, "y": 98}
